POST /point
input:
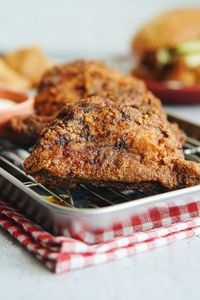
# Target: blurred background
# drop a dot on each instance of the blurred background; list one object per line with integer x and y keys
{"x": 77, "y": 28}
{"x": 83, "y": 29}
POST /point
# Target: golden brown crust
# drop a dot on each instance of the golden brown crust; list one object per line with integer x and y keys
{"x": 104, "y": 143}
{"x": 168, "y": 29}
{"x": 70, "y": 82}
{"x": 25, "y": 130}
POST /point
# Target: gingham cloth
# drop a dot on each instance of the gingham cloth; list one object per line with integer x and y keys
{"x": 62, "y": 254}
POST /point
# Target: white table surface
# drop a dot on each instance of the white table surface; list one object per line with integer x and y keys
{"x": 171, "y": 272}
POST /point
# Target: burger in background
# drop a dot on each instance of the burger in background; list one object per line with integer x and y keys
{"x": 168, "y": 48}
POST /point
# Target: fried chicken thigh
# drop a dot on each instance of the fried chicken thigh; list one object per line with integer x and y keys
{"x": 108, "y": 144}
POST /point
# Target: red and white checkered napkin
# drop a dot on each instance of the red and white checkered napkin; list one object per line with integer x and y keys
{"x": 62, "y": 254}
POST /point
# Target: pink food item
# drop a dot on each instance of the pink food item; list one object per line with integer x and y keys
{"x": 12, "y": 104}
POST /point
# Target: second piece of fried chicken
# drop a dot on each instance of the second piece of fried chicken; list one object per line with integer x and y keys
{"x": 68, "y": 83}
{"x": 102, "y": 143}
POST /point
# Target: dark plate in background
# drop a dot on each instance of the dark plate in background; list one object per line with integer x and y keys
{"x": 172, "y": 95}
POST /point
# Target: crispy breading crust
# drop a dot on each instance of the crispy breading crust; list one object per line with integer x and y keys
{"x": 102, "y": 143}
{"x": 70, "y": 82}
{"x": 25, "y": 131}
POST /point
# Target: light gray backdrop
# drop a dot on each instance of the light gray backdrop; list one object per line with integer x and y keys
{"x": 78, "y": 26}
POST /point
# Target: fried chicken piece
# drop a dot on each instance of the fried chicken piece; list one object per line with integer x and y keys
{"x": 71, "y": 82}
{"x": 106, "y": 144}
{"x": 30, "y": 62}
{"x": 178, "y": 132}
{"x": 25, "y": 130}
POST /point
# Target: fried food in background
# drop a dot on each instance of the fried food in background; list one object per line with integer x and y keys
{"x": 25, "y": 130}
{"x": 30, "y": 62}
{"x": 11, "y": 79}
{"x": 168, "y": 47}
{"x": 106, "y": 144}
